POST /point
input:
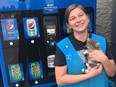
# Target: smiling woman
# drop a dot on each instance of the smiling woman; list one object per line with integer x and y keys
{"x": 70, "y": 58}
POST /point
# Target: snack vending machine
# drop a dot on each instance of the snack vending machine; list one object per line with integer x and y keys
{"x": 29, "y": 31}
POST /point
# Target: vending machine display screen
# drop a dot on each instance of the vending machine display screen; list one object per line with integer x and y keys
{"x": 51, "y": 30}
{"x": 50, "y": 20}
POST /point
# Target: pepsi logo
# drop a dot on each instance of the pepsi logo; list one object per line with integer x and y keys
{"x": 9, "y": 26}
{"x": 31, "y": 25}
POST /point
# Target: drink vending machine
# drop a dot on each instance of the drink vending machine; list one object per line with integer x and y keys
{"x": 29, "y": 31}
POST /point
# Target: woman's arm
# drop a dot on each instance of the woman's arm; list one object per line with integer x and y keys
{"x": 109, "y": 65}
{"x": 63, "y": 78}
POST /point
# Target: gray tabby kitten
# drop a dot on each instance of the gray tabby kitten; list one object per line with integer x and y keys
{"x": 91, "y": 45}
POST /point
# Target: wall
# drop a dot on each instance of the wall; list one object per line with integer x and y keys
{"x": 104, "y": 18}
{"x": 105, "y": 23}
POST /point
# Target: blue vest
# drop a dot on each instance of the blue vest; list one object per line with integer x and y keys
{"x": 75, "y": 64}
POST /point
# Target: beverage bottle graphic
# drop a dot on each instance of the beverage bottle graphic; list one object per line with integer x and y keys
{"x": 16, "y": 72}
{"x": 35, "y": 70}
{"x": 31, "y": 27}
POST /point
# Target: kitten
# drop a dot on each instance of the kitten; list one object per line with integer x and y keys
{"x": 91, "y": 45}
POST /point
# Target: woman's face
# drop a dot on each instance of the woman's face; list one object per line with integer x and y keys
{"x": 78, "y": 20}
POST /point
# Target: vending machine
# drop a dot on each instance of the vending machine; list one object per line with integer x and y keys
{"x": 29, "y": 31}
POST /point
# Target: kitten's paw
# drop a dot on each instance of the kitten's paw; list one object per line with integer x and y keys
{"x": 83, "y": 70}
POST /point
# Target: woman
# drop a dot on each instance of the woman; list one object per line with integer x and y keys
{"x": 69, "y": 58}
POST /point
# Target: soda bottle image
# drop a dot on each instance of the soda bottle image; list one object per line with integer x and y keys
{"x": 16, "y": 72}
{"x": 35, "y": 70}
{"x": 31, "y": 27}
{"x": 10, "y": 29}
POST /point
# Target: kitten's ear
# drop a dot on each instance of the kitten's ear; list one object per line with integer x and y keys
{"x": 88, "y": 39}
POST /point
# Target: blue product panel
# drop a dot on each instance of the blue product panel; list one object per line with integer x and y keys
{"x": 31, "y": 27}
{"x": 35, "y": 70}
{"x": 9, "y": 29}
{"x": 16, "y": 72}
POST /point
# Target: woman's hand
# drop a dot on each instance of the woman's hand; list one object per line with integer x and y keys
{"x": 97, "y": 55}
{"x": 95, "y": 70}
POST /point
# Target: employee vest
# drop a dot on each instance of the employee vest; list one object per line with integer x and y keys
{"x": 75, "y": 64}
